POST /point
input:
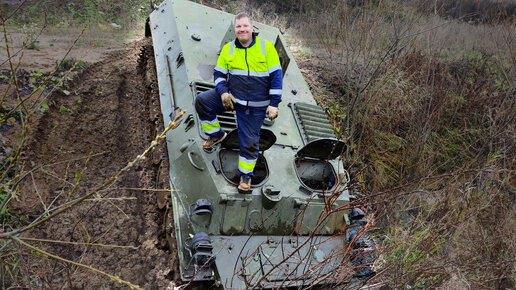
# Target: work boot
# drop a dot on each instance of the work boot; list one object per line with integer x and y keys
{"x": 245, "y": 184}
{"x": 213, "y": 141}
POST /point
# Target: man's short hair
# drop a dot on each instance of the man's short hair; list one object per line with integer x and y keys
{"x": 243, "y": 15}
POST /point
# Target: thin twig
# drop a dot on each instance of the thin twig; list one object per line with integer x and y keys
{"x": 78, "y": 243}
{"x": 37, "y": 191}
{"x": 111, "y": 198}
{"x": 145, "y": 189}
{"x": 66, "y": 207}
{"x": 112, "y": 277}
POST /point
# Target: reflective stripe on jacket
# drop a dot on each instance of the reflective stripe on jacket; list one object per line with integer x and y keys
{"x": 251, "y": 74}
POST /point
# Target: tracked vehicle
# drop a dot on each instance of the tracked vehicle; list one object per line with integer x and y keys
{"x": 289, "y": 231}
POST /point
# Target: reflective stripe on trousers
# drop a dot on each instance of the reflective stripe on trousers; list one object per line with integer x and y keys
{"x": 246, "y": 165}
{"x": 210, "y": 127}
{"x": 208, "y": 104}
{"x": 249, "y": 121}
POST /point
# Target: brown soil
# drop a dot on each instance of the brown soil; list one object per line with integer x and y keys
{"x": 117, "y": 117}
{"x": 54, "y": 45}
{"x": 114, "y": 115}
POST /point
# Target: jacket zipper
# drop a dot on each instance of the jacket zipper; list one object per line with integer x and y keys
{"x": 248, "y": 75}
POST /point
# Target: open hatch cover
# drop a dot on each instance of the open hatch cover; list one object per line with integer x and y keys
{"x": 323, "y": 149}
{"x": 267, "y": 139}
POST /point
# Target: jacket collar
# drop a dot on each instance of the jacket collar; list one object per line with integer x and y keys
{"x": 239, "y": 45}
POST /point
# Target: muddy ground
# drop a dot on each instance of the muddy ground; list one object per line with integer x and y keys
{"x": 51, "y": 45}
{"x": 115, "y": 116}
{"x": 112, "y": 114}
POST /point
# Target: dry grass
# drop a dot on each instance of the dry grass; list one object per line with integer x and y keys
{"x": 474, "y": 11}
{"x": 428, "y": 105}
{"x": 461, "y": 233}
{"x": 19, "y": 257}
{"x": 458, "y": 36}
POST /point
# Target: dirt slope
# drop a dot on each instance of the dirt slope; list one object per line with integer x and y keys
{"x": 52, "y": 46}
{"x": 114, "y": 116}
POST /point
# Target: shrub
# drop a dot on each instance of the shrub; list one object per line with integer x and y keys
{"x": 478, "y": 11}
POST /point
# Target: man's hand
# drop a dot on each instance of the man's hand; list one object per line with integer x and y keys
{"x": 273, "y": 112}
{"x": 227, "y": 101}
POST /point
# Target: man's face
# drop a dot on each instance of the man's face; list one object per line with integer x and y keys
{"x": 244, "y": 30}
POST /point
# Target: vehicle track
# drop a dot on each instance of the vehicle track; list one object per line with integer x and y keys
{"x": 112, "y": 115}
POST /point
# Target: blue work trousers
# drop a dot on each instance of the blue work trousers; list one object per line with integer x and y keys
{"x": 249, "y": 122}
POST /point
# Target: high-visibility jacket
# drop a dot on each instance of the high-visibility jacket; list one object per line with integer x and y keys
{"x": 251, "y": 74}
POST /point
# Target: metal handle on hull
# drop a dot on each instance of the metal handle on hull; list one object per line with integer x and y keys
{"x": 190, "y": 158}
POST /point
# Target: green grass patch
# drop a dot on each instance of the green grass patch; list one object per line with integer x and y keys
{"x": 78, "y": 13}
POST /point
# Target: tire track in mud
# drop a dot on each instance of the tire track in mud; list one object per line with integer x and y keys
{"x": 112, "y": 112}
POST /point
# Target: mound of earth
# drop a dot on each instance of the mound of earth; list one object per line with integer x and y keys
{"x": 112, "y": 115}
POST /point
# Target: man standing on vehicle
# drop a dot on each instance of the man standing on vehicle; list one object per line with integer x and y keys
{"x": 248, "y": 79}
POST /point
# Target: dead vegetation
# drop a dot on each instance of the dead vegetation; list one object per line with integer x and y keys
{"x": 125, "y": 14}
{"x": 74, "y": 164}
{"x": 428, "y": 105}
{"x": 474, "y": 11}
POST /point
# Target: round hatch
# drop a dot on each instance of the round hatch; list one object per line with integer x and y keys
{"x": 267, "y": 139}
{"x": 228, "y": 158}
{"x": 323, "y": 149}
{"x": 312, "y": 166}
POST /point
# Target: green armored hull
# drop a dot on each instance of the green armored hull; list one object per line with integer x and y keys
{"x": 289, "y": 230}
